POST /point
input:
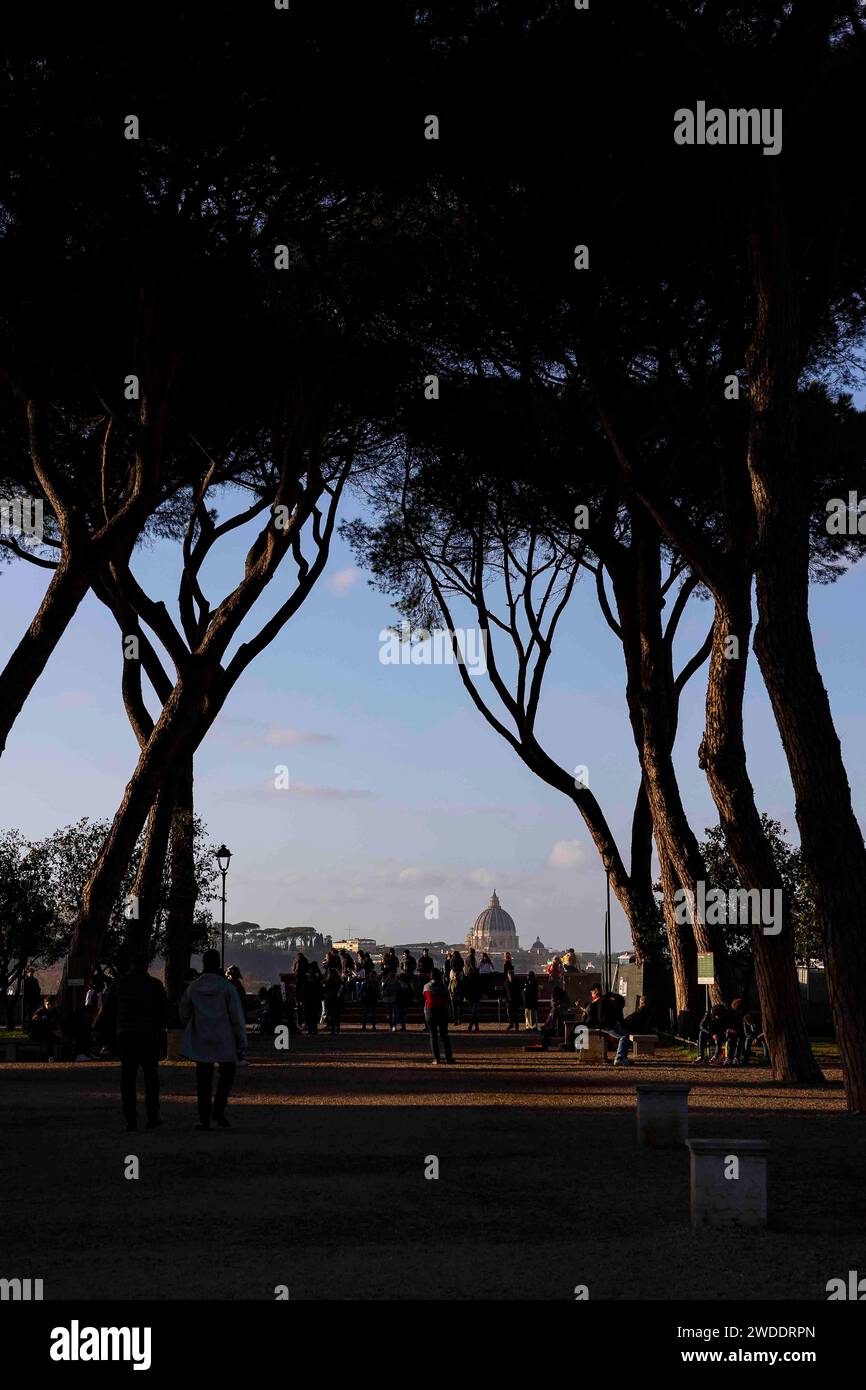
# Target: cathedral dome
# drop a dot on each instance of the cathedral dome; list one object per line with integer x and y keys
{"x": 494, "y": 929}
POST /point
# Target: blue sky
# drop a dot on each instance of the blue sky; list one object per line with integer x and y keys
{"x": 398, "y": 789}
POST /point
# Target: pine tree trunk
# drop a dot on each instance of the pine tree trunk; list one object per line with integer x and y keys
{"x": 830, "y": 836}
{"x": 723, "y": 757}
{"x": 69, "y": 584}
{"x": 147, "y": 890}
{"x": 651, "y": 695}
{"x": 681, "y": 942}
{"x": 182, "y": 897}
{"x": 185, "y": 718}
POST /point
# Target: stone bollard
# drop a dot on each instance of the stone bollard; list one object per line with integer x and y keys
{"x": 728, "y": 1182}
{"x": 663, "y": 1116}
{"x": 596, "y": 1045}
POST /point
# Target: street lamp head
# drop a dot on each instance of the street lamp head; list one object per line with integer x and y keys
{"x": 607, "y": 860}
{"x": 222, "y": 857}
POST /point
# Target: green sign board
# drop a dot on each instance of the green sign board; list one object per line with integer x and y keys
{"x": 706, "y": 974}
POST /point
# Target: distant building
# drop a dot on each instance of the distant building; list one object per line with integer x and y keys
{"x": 494, "y": 930}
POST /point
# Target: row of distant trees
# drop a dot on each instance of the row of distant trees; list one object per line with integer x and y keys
{"x": 544, "y": 349}
{"x": 250, "y": 934}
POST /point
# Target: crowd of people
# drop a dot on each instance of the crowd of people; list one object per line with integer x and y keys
{"x": 127, "y": 1016}
{"x": 389, "y": 989}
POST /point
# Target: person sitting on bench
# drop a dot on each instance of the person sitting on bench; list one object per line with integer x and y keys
{"x": 754, "y": 1033}
{"x": 643, "y": 1018}
{"x": 712, "y": 1025}
{"x": 604, "y": 1016}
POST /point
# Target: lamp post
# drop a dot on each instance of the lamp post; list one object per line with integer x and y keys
{"x": 607, "y": 860}
{"x": 223, "y": 859}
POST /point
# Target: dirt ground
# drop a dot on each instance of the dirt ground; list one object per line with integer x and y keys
{"x": 319, "y": 1185}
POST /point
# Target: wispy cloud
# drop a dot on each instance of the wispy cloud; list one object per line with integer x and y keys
{"x": 256, "y": 733}
{"x": 276, "y": 735}
{"x": 341, "y": 581}
{"x": 328, "y": 793}
{"x": 265, "y": 793}
{"x": 566, "y": 854}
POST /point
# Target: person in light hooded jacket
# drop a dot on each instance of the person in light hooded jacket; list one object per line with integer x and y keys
{"x": 215, "y": 1035}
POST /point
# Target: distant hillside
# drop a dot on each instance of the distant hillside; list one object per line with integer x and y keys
{"x": 257, "y": 967}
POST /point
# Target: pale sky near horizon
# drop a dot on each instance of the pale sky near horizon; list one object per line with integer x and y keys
{"x": 398, "y": 788}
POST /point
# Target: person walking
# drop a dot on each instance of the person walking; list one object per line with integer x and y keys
{"x": 215, "y": 1035}
{"x": 530, "y": 1002}
{"x": 436, "y": 1016}
{"x": 136, "y": 1008}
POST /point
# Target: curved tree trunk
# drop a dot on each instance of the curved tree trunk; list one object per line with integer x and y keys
{"x": 69, "y": 584}
{"x": 723, "y": 757}
{"x": 186, "y": 716}
{"x": 652, "y": 708}
{"x": 147, "y": 890}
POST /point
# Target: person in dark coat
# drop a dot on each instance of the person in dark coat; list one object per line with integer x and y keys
{"x": 642, "y": 1020}
{"x": 559, "y": 1004}
{"x": 137, "y": 1007}
{"x": 436, "y": 1015}
{"x": 44, "y": 1027}
{"x": 276, "y": 1006}
{"x": 369, "y": 1000}
{"x": 333, "y": 992}
{"x": 31, "y": 996}
{"x": 605, "y": 1014}
{"x": 514, "y": 999}
{"x": 713, "y": 1026}
{"x": 473, "y": 993}
{"x": 313, "y": 996}
{"x": 405, "y": 996}
{"x": 530, "y": 1002}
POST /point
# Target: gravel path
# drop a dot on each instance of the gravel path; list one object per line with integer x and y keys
{"x": 320, "y": 1183}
